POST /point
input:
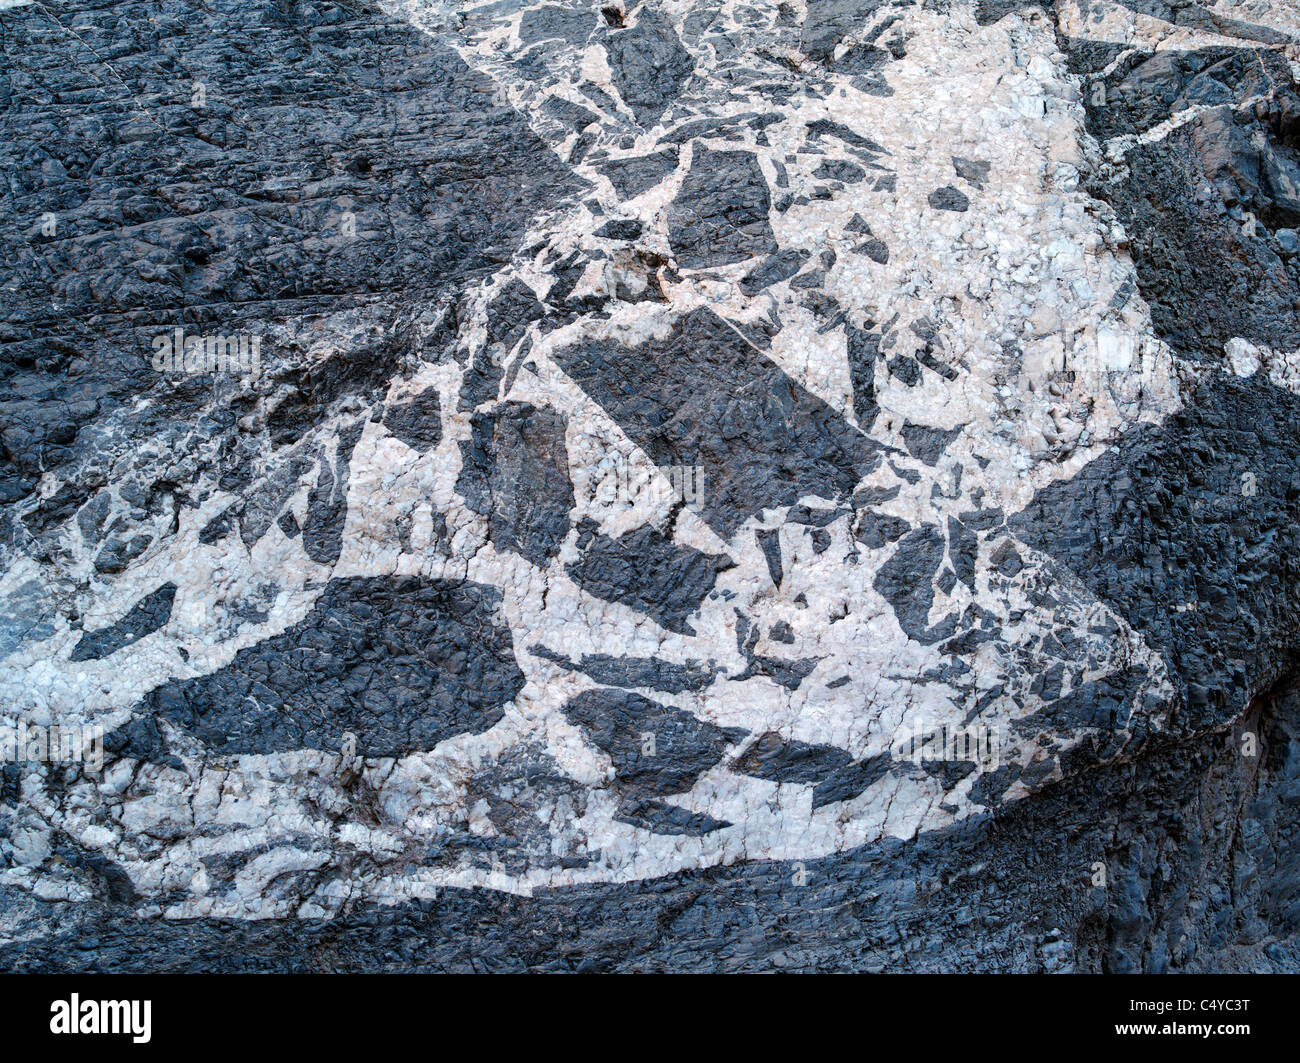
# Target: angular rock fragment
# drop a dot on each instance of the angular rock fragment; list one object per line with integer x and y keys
{"x": 649, "y": 64}
{"x": 720, "y": 214}
{"x": 399, "y": 664}
{"x": 145, "y": 617}
{"x": 515, "y": 472}
{"x": 649, "y": 572}
{"x": 703, "y": 396}
{"x": 656, "y": 750}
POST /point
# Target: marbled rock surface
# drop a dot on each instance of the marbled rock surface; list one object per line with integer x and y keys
{"x": 619, "y": 439}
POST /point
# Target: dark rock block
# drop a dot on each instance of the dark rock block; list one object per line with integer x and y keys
{"x": 648, "y": 64}
{"x": 928, "y": 444}
{"x": 906, "y": 581}
{"x": 850, "y": 780}
{"x": 144, "y": 618}
{"x": 972, "y": 170}
{"x": 649, "y": 672}
{"x": 634, "y": 175}
{"x": 515, "y": 472}
{"x": 703, "y": 396}
{"x": 648, "y": 571}
{"x": 779, "y": 267}
{"x": 417, "y": 422}
{"x": 327, "y": 504}
{"x": 573, "y": 25}
{"x": 402, "y": 664}
{"x": 777, "y": 759}
{"x": 617, "y": 722}
{"x": 949, "y": 198}
{"x": 660, "y": 818}
{"x": 620, "y": 229}
{"x": 829, "y": 21}
{"x": 864, "y": 353}
{"x": 720, "y": 214}
{"x": 840, "y": 170}
{"x": 769, "y": 541}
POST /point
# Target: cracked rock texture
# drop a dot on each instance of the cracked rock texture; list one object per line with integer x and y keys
{"x": 609, "y": 448}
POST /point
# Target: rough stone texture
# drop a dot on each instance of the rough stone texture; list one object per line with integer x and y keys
{"x": 668, "y": 423}
{"x": 400, "y": 667}
{"x": 721, "y": 213}
{"x": 515, "y": 471}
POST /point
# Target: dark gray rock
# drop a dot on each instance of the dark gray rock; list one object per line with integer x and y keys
{"x": 144, "y": 618}
{"x": 617, "y": 722}
{"x": 209, "y": 217}
{"x": 572, "y": 24}
{"x": 342, "y": 193}
{"x": 864, "y": 353}
{"x": 972, "y": 170}
{"x": 840, "y": 170}
{"x": 636, "y": 174}
{"x": 783, "y": 760}
{"x": 515, "y": 472}
{"x": 906, "y": 581}
{"x": 949, "y": 198}
{"x": 1202, "y": 205}
{"x": 417, "y": 422}
{"x": 927, "y": 444}
{"x": 401, "y": 664}
{"x": 828, "y": 21}
{"x": 847, "y": 781}
{"x": 779, "y": 267}
{"x": 660, "y": 818}
{"x": 327, "y": 504}
{"x": 703, "y": 396}
{"x": 769, "y": 541}
{"x": 825, "y": 127}
{"x": 648, "y": 672}
{"x": 620, "y": 229}
{"x": 720, "y": 214}
{"x": 648, "y": 571}
{"x": 648, "y": 64}
{"x": 568, "y": 114}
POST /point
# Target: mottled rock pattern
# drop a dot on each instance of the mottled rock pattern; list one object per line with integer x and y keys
{"x": 669, "y": 423}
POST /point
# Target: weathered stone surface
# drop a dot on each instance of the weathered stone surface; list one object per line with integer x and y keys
{"x": 515, "y": 471}
{"x": 716, "y": 487}
{"x": 400, "y": 665}
{"x": 720, "y": 215}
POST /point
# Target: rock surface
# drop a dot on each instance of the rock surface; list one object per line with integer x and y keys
{"x": 538, "y": 485}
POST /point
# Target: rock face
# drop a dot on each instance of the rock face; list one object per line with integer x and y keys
{"x": 563, "y": 486}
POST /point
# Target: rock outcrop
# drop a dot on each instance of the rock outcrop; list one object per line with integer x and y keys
{"x": 542, "y": 485}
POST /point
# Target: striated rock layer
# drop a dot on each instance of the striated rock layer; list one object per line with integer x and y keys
{"x": 539, "y": 485}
